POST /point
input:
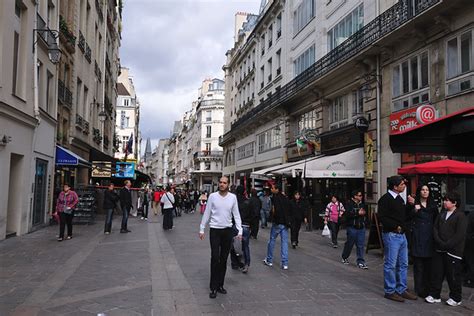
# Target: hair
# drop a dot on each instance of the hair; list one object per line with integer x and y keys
{"x": 334, "y": 195}
{"x": 64, "y": 184}
{"x": 354, "y": 192}
{"x": 418, "y": 194}
{"x": 239, "y": 190}
{"x": 127, "y": 181}
{"x": 277, "y": 186}
{"x": 168, "y": 188}
{"x": 454, "y": 198}
{"x": 394, "y": 181}
{"x": 253, "y": 192}
{"x": 227, "y": 178}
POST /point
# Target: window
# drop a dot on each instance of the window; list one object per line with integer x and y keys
{"x": 262, "y": 44}
{"x": 270, "y": 36}
{"x": 270, "y": 70}
{"x": 208, "y": 131}
{"x": 410, "y": 82}
{"x": 49, "y": 81}
{"x": 338, "y": 112}
{"x": 278, "y": 25}
{"x": 126, "y": 102}
{"x": 307, "y": 120}
{"x": 208, "y": 116}
{"x": 278, "y": 62}
{"x": 122, "y": 119}
{"x": 245, "y": 151}
{"x": 269, "y": 140}
{"x": 460, "y": 61}
{"x": 262, "y": 73}
{"x": 304, "y": 61}
{"x": 207, "y": 165}
{"x": 79, "y": 110}
{"x": 303, "y": 14}
{"x": 208, "y": 147}
{"x": 345, "y": 28}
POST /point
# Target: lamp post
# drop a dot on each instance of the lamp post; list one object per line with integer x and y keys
{"x": 54, "y": 53}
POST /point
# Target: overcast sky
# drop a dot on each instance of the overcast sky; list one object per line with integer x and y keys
{"x": 170, "y": 46}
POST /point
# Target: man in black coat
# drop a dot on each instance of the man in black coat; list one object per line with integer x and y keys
{"x": 255, "y": 206}
{"x": 125, "y": 204}
{"x": 394, "y": 213}
{"x": 110, "y": 200}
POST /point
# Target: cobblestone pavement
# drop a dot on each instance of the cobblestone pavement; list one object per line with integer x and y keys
{"x": 152, "y": 272}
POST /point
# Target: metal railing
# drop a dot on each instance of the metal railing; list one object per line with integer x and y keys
{"x": 64, "y": 94}
{"x": 85, "y": 127}
{"x": 88, "y": 53}
{"x": 79, "y": 121}
{"x": 209, "y": 153}
{"x": 82, "y": 42}
{"x": 97, "y": 71}
{"x": 385, "y": 23}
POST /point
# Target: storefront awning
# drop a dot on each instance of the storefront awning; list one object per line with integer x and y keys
{"x": 66, "y": 157}
{"x": 349, "y": 164}
{"x": 446, "y": 166}
{"x": 448, "y": 135}
{"x": 266, "y": 174}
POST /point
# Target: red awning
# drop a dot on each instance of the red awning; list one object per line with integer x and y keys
{"x": 446, "y": 166}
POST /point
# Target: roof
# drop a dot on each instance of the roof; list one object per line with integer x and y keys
{"x": 121, "y": 90}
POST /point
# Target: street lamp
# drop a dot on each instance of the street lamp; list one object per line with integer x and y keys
{"x": 54, "y": 53}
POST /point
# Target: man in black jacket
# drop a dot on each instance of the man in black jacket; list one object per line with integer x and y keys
{"x": 449, "y": 233}
{"x": 356, "y": 218}
{"x": 280, "y": 223}
{"x": 110, "y": 200}
{"x": 255, "y": 206}
{"x": 125, "y": 204}
{"x": 393, "y": 214}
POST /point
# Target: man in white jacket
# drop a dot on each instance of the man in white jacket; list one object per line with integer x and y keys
{"x": 221, "y": 208}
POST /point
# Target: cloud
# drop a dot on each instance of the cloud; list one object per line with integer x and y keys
{"x": 170, "y": 47}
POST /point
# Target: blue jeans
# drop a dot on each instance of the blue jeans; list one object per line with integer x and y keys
{"x": 357, "y": 237}
{"x": 125, "y": 212}
{"x": 264, "y": 216}
{"x": 108, "y": 220}
{"x": 282, "y": 230}
{"x": 246, "y": 244}
{"x": 395, "y": 263}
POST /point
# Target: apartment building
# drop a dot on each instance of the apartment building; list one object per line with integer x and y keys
{"x": 350, "y": 69}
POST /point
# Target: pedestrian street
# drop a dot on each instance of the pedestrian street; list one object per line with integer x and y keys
{"x": 154, "y": 272}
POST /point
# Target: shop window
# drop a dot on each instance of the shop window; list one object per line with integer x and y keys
{"x": 460, "y": 61}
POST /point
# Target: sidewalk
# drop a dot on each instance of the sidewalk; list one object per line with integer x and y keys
{"x": 152, "y": 272}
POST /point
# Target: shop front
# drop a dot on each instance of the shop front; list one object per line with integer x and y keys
{"x": 427, "y": 146}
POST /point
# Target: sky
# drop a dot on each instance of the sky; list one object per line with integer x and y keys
{"x": 170, "y": 47}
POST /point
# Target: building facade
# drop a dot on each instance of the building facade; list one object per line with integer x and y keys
{"x": 348, "y": 69}
{"x": 127, "y": 122}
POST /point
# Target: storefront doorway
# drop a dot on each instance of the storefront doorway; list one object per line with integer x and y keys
{"x": 39, "y": 202}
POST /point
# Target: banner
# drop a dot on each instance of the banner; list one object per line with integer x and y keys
{"x": 405, "y": 120}
{"x": 125, "y": 170}
{"x": 369, "y": 157}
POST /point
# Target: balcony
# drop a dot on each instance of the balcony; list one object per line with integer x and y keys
{"x": 98, "y": 8}
{"x": 278, "y": 71}
{"x": 64, "y": 94}
{"x": 98, "y": 72}
{"x": 107, "y": 64}
{"x": 79, "y": 122}
{"x": 88, "y": 53}
{"x": 384, "y": 24}
{"x": 209, "y": 154}
{"x": 269, "y": 78}
{"x": 82, "y": 42}
{"x": 96, "y": 135}
{"x": 86, "y": 127}
{"x": 66, "y": 35}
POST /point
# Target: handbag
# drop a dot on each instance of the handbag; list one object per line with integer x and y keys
{"x": 326, "y": 232}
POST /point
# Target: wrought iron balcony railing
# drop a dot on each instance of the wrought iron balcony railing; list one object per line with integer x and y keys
{"x": 79, "y": 121}
{"x": 98, "y": 8}
{"x": 385, "y": 23}
{"x": 209, "y": 153}
{"x": 97, "y": 71}
{"x": 88, "y": 53}
{"x": 64, "y": 94}
{"x": 86, "y": 127}
{"x": 82, "y": 42}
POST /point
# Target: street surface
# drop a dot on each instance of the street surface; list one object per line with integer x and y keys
{"x": 153, "y": 272}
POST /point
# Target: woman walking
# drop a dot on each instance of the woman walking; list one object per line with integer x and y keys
{"x": 110, "y": 201}
{"x": 298, "y": 213}
{"x": 422, "y": 239}
{"x": 334, "y": 212}
{"x": 65, "y": 206}
{"x": 167, "y": 201}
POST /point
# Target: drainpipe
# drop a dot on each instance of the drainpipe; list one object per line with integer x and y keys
{"x": 379, "y": 154}
{"x": 35, "y": 67}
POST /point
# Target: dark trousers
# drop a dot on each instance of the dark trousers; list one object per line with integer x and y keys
{"x": 65, "y": 219}
{"x": 108, "y": 220}
{"x": 295, "y": 231}
{"x": 125, "y": 212}
{"x": 422, "y": 275}
{"x": 221, "y": 240}
{"x": 254, "y": 227}
{"x": 442, "y": 266}
{"x": 167, "y": 218}
{"x": 334, "y": 228}
{"x": 146, "y": 205}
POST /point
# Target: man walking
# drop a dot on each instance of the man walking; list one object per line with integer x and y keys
{"x": 280, "y": 223}
{"x": 126, "y": 205}
{"x": 255, "y": 206}
{"x": 221, "y": 207}
{"x": 393, "y": 214}
{"x": 356, "y": 217}
{"x": 266, "y": 207}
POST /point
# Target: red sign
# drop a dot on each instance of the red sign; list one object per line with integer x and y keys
{"x": 410, "y": 118}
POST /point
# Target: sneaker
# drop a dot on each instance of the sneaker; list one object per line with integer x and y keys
{"x": 245, "y": 269}
{"x": 107, "y": 233}
{"x": 452, "y": 302}
{"x": 345, "y": 261}
{"x": 430, "y": 299}
{"x": 284, "y": 267}
{"x": 60, "y": 239}
{"x": 142, "y": 218}
{"x": 362, "y": 266}
{"x": 265, "y": 262}
{"x": 69, "y": 237}
{"x": 334, "y": 246}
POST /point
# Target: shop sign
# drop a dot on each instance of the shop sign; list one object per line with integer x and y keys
{"x": 369, "y": 157}
{"x": 341, "y": 140}
{"x": 408, "y": 119}
{"x": 101, "y": 169}
{"x": 295, "y": 152}
{"x": 125, "y": 170}
{"x": 361, "y": 124}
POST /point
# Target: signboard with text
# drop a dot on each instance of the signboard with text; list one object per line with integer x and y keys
{"x": 101, "y": 169}
{"x": 408, "y": 119}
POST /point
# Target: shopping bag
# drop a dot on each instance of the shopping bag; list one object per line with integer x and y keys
{"x": 237, "y": 245}
{"x": 326, "y": 232}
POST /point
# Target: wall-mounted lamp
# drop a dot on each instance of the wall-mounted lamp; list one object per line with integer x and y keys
{"x": 5, "y": 140}
{"x": 366, "y": 89}
{"x": 54, "y": 53}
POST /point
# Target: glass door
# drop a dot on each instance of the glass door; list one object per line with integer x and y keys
{"x": 40, "y": 191}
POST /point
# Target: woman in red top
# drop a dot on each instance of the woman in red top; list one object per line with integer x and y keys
{"x": 65, "y": 206}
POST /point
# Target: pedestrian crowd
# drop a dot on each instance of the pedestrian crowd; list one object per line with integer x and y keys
{"x": 440, "y": 244}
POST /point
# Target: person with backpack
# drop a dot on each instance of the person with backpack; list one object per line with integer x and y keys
{"x": 333, "y": 218}
{"x": 356, "y": 221}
